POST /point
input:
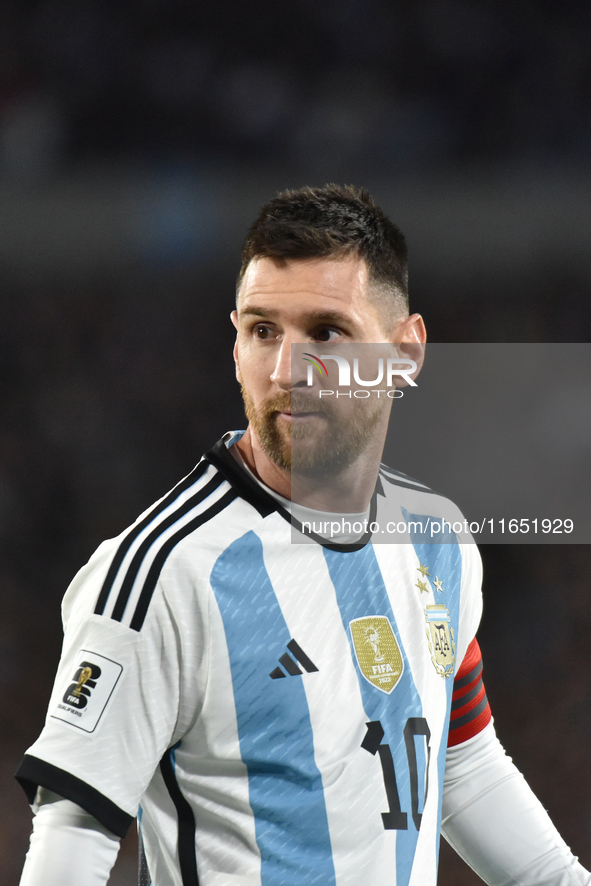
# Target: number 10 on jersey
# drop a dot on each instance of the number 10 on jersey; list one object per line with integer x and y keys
{"x": 395, "y": 818}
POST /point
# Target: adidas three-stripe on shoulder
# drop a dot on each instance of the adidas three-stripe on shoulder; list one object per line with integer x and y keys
{"x": 129, "y": 584}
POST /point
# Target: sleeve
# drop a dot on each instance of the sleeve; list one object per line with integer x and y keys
{"x": 68, "y": 846}
{"x": 470, "y": 710}
{"x": 116, "y": 706}
{"x": 496, "y": 824}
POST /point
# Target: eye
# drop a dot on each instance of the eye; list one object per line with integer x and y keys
{"x": 261, "y": 331}
{"x": 327, "y": 334}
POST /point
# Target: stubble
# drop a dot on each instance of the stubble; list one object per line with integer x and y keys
{"x": 313, "y": 449}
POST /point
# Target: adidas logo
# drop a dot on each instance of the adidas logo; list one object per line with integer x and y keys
{"x": 289, "y": 664}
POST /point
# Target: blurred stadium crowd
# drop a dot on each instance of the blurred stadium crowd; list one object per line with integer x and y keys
{"x": 361, "y": 78}
{"x": 115, "y": 377}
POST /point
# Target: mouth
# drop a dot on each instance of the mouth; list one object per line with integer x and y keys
{"x": 289, "y": 416}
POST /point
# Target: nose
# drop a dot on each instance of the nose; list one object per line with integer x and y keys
{"x": 287, "y": 372}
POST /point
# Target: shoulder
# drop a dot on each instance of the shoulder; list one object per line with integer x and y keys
{"x": 399, "y": 490}
{"x": 174, "y": 543}
{"x": 438, "y": 531}
{"x": 399, "y": 480}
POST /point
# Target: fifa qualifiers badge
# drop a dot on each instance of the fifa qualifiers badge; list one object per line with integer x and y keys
{"x": 93, "y": 685}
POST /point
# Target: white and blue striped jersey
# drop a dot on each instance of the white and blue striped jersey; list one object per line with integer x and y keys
{"x": 275, "y": 713}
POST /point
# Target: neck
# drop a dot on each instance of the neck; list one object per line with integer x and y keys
{"x": 349, "y": 491}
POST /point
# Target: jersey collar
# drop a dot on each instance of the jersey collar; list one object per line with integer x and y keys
{"x": 248, "y": 489}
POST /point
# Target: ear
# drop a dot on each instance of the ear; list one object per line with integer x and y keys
{"x": 234, "y": 319}
{"x": 410, "y": 335}
{"x": 410, "y": 330}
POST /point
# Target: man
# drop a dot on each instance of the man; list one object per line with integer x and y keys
{"x": 274, "y": 702}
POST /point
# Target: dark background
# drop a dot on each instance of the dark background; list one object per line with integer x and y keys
{"x": 135, "y": 147}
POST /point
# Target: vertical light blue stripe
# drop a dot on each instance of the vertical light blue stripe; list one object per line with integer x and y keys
{"x": 361, "y": 592}
{"x": 274, "y": 728}
{"x": 443, "y": 560}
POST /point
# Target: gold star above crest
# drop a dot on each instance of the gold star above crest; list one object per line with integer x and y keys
{"x": 424, "y": 570}
{"x": 422, "y": 586}
{"x": 437, "y": 583}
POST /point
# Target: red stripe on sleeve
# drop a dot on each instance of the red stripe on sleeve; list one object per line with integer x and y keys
{"x": 472, "y": 658}
{"x": 470, "y": 710}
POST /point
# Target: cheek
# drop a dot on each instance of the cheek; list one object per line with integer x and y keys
{"x": 249, "y": 369}
{"x": 244, "y": 358}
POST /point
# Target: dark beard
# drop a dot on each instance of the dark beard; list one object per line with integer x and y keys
{"x": 300, "y": 450}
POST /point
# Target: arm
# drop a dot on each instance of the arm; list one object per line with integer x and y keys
{"x": 496, "y": 824}
{"x": 68, "y": 846}
{"x": 490, "y": 816}
{"x": 100, "y": 754}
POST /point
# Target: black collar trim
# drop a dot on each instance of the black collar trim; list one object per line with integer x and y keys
{"x": 266, "y": 504}
{"x": 245, "y": 486}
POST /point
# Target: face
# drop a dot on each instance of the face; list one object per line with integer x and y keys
{"x": 315, "y": 302}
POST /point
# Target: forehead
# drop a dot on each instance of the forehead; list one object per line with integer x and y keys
{"x": 337, "y": 284}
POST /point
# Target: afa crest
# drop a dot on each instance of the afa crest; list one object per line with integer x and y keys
{"x": 377, "y": 651}
{"x": 442, "y": 644}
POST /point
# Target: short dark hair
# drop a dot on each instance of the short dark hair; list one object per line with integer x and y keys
{"x": 333, "y": 221}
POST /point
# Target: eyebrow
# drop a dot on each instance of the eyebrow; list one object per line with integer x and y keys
{"x": 254, "y": 311}
{"x": 328, "y": 317}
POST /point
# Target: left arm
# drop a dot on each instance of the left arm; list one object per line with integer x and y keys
{"x": 494, "y": 821}
{"x": 490, "y": 815}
